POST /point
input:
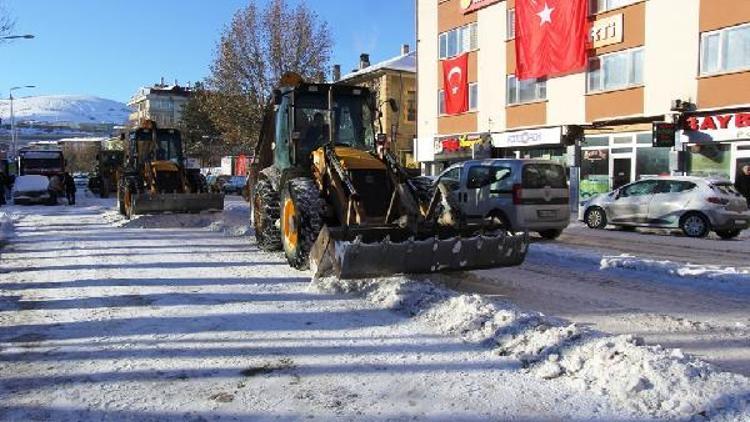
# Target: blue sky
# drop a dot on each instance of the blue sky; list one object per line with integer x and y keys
{"x": 109, "y": 48}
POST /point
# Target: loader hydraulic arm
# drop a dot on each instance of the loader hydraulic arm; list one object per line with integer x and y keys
{"x": 332, "y": 161}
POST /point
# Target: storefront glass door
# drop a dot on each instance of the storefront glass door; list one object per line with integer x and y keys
{"x": 741, "y": 168}
{"x": 621, "y": 171}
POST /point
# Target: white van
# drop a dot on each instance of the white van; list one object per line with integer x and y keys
{"x": 528, "y": 195}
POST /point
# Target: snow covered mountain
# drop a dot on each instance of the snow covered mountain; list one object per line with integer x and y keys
{"x": 65, "y": 110}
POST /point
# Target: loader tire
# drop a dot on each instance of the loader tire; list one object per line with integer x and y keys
{"x": 301, "y": 220}
{"x": 266, "y": 212}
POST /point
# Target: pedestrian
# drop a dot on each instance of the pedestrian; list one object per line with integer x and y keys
{"x": 70, "y": 188}
{"x": 56, "y": 187}
{"x": 3, "y": 182}
{"x": 742, "y": 179}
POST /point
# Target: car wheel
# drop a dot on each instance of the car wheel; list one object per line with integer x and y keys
{"x": 596, "y": 218}
{"x": 694, "y": 225}
{"x": 728, "y": 234}
{"x": 550, "y": 234}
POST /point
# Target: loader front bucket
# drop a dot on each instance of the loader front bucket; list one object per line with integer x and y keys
{"x": 351, "y": 254}
{"x": 177, "y": 203}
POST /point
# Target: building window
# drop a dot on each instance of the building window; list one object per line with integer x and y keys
{"x": 411, "y": 106}
{"x": 526, "y": 91}
{"x": 473, "y": 99}
{"x": 511, "y": 24}
{"x": 458, "y": 41}
{"x": 725, "y": 50}
{"x": 615, "y": 71}
{"x": 473, "y": 96}
{"x": 598, "y": 6}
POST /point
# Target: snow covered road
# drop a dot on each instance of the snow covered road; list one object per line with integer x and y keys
{"x": 99, "y": 322}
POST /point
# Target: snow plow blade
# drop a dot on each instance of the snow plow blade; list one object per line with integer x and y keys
{"x": 361, "y": 253}
{"x": 177, "y": 203}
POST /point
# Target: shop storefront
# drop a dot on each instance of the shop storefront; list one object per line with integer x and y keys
{"x": 717, "y": 144}
{"x": 611, "y": 160}
{"x": 453, "y": 149}
{"x": 543, "y": 144}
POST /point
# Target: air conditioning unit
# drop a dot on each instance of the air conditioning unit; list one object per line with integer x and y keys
{"x": 679, "y": 105}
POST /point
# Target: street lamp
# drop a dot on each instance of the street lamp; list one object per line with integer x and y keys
{"x": 17, "y": 37}
{"x": 13, "y": 117}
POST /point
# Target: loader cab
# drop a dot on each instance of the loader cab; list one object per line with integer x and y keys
{"x": 303, "y": 121}
{"x": 148, "y": 144}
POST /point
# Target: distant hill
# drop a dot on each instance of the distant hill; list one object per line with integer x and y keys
{"x": 73, "y": 111}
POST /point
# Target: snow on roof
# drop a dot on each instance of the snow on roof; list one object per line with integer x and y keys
{"x": 403, "y": 63}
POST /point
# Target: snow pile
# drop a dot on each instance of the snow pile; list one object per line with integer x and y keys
{"x": 673, "y": 268}
{"x": 65, "y": 110}
{"x": 234, "y": 221}
{"x": 548, "y": 253}
{"x": 652, "y": 380}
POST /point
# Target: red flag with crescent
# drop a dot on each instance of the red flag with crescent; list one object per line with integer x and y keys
{"x": 456, "y": 84}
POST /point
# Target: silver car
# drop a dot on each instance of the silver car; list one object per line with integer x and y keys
{"x": 693, "y": 204}
{"x": 528, "y": 195}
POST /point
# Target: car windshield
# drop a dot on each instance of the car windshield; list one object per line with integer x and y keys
{"x": 726, "y": 188}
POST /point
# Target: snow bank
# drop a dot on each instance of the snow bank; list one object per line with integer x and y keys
{"x": 233, "y": 221}
{"x": 646, "y": 379}
{"x": 674, "y": 268}
{"x": 66, "y": 109}
{"x": 666, "y": 269}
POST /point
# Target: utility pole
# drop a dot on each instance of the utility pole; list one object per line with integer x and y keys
{"x": 13, "y": 136}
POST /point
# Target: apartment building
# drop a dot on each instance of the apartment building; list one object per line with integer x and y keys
{"x": 161, "y": 103}
{"x": 685, "y": 62}
{"x": 394, "y": 78}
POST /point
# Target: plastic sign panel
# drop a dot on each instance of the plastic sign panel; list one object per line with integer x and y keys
{"x": 663, "y": 134}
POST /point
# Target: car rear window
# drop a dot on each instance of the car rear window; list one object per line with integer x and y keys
{"x": 725, "y": 188}
{"x": 537, "y": 176}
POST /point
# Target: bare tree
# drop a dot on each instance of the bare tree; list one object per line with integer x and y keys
{"x": 255, "y": 50}
{"x": 6, "y": 21}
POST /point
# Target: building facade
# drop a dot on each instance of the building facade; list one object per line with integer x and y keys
{"x": 161, "y": 103}
{"x": 681, "y": 61}
{"x": 395, "y": 78}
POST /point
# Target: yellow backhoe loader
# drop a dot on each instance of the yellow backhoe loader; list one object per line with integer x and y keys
{"x": 154, "y": 178}
{"x": 328, "y": 192}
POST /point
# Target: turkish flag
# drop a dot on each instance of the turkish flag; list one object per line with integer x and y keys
{"x": 551, "y": 37}
{"x": 456, "y": 84}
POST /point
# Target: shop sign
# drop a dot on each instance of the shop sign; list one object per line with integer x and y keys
{"x": 464, "y": 146}
{"x": 468, "y": 6}
{"x": 716, "y": 127}
{"x": 606, "y": 31}
{"x": 525, "y": 138}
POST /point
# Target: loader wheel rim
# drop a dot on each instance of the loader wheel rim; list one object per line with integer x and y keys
{"x": 290, "y": 226}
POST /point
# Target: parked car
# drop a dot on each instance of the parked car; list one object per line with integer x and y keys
{"x": 216, "y": 183}
{"x": 234, "y": 185}
{"x": 81, "y": 180}
{"x": 528, "y": 195}
{"x": 32, "y": 189}
{"x": 693, "y": 204}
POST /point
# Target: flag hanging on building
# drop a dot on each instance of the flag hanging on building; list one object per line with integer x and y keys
{"x": 456, "y": 84}
{"x": 551, "y": 37}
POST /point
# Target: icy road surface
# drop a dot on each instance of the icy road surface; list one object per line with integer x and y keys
{"x": 99, "y": 322}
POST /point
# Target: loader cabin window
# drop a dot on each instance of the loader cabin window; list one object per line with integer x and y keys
{"x": 168, "y": 146}
{"x": 352, "y": 116}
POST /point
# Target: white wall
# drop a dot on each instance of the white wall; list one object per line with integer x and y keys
{"x": 491, "y": 64}
{"x": 427, "y": 79}
{"x": 672, "y": 52}
{"x": 566, "y": 100}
